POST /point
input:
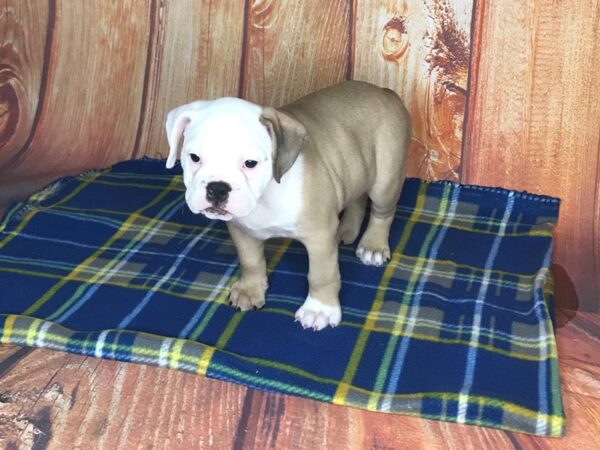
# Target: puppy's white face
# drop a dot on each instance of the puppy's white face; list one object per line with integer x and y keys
{"x": 227, "y": 156}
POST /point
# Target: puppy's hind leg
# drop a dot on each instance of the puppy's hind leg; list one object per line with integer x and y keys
{"x": 352, "y": 218}
{"x": 373, "y": 248}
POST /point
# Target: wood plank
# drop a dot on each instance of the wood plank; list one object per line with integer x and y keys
{"x": 196, "y": 53}
{"x": 24, "y": 25}
{"x": 95, "y": 79}
{"x": 9, "y": 357}
{"x": 54, "y": 398}
{"x": 420, "y": 49}
{"x": 50, "y": 398}
{"x": 534, "y": 117}
{"x": 293, "y": 48}
{"x": 580, "y": 367}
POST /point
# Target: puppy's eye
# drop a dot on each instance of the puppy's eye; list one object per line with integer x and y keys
{"x": 194, "y": 157}
{"x": 250, "y": 164}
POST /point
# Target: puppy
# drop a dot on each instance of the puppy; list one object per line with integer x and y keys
{"x": 290, "y": 172}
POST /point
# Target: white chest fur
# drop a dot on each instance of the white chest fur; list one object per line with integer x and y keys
{"x": 278, "y": 210}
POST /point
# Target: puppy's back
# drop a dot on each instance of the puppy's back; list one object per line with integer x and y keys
{"x": 355, "y": 129}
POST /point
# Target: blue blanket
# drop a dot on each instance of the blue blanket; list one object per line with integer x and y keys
{"x": 456, "y": 327}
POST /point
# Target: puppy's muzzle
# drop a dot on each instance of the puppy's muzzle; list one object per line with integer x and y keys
{"x": 217, "y": 192}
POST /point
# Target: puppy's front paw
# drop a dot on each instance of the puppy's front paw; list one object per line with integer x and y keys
{"x": 316, "y": 315}
{"x": 373, "y": 256}
{"x": 246, "y": 296}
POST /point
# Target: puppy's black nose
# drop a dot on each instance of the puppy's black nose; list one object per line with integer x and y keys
{"x": 217, "y": 191}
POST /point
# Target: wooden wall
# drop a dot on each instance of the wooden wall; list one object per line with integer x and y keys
{"x": 88, "y": 83}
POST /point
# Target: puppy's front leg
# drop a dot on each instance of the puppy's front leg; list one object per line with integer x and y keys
{"x": 322, "y": 306}
{"x": 249, "y": 291}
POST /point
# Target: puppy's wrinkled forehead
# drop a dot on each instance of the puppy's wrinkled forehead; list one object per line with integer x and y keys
{"x": 228, "y": 124}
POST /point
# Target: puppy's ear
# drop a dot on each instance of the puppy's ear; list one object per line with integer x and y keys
{"x": 288, "y": 136}
{"x": 177, "y": 120}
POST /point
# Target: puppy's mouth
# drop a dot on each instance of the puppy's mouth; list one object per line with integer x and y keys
{"x": 217, "y": 211}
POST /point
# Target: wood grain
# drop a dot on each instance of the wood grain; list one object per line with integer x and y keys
{"x": 94, "y": 79}
{"x": 195, "y": 53}
{"x": 48, "y": 398}
{"x": 112, "y": 405}
{"x": 420, "y": 49}
{"x": 24, "y": 25}
{"x": 293, "y": 48}
{"x": 534, "y": 119}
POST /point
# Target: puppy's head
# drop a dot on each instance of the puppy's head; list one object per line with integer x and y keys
{"x": 232, "y": 149}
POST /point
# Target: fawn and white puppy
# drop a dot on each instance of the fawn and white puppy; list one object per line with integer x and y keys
{"x": 290, "y": 172}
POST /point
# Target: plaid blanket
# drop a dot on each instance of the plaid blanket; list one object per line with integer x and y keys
{"x": 456, "y": 327}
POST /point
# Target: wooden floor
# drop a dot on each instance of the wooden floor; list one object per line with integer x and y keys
{"x": 50, "y": 399}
